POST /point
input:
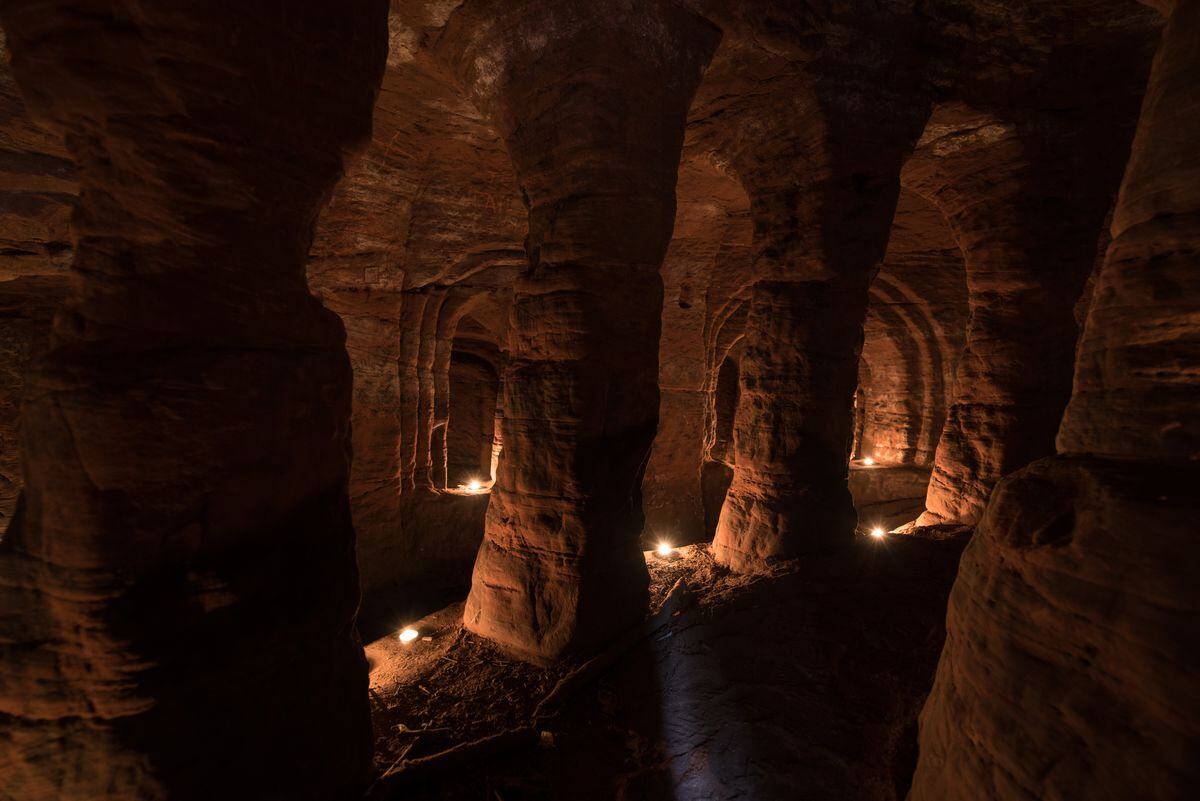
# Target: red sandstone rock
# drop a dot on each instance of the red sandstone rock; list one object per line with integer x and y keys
{"x": 791, "y": 435}
{"x": 1025, "y": 184}
{"x": 912, "y": 338}
{"x": 1069, "y": 666}
{"x": 181, "y": 573}
{"x": 1070, "y": 662}
{"x": 26, "y": 306}
{"x": 706, "y": 267}
{"x": 37, "y": 182}
{"x": 432, "y": 204}
{"x": 820, "y": 158}
{"x": 197, "y": 397}
{"x": 560, "y": 567}
{"x": 1134, "y": 395}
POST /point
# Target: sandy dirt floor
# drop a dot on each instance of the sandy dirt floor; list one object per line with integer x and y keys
{"x": 802, "y": 684}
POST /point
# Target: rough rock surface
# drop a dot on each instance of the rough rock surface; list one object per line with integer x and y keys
{"x": 1070, "y": 662}
{"x": 422, "y": 233}
{"x": 37, "y": 192}
{"x": 38, "y": 185}
{"x": 181, "y": 567}
{"x": 1025, "y": 182}
{"x": 912, "y": 339}
{"x": 26, "y": 307}
{"x": 1135, "y": 389}
{"x": 560, "y": 567}
{"x": 913, "y": 335}
{"x": 575, "y": 219}
{"x": 1069, "y": 667}
{"x": 821, "y": 163}
{"x": 706, "y": 267}
{"x": 789, "y": 495}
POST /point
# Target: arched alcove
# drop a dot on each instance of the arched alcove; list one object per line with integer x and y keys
{"x": 725, "y": 400}
{"x": 704, "y": 270}
{"x": 717, "y": 471}
{"x": 912, "y": 337}
{"x": 470, "y": 430}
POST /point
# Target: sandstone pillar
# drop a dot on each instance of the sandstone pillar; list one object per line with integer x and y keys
{"x": 1025, "y": 198}
{"x": 179, "y": 583}
{"x": 794, "y": 423}
{"x": 560, "y": 567}
{"x": 822, "y": 211}
{"x": 1070, "y": 657}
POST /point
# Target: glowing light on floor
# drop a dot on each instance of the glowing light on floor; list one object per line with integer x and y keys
{"x": 408, "y": 635}
{"x": 475, "y": 485}
{"x": 664, "y": 549}
{"x": 867, "y": 460}
{"x": 878, "y": 533}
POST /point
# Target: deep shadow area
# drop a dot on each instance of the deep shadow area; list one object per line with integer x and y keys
{"x": 433, "y": 551}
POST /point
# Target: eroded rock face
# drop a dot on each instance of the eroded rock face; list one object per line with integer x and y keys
{"x": 1069, "y": 667}
{"x": 791, "y": 434}
{"x": 1069, "y": 662}
{"x": 190, "y": 425}
{"x": 181, "y": 570}
{"x": 560, "y": 567}
{"x": 37, "y": 193}
{"x": 1135, "y": 384}
{"x": 38, "y": 182}
{"x": 912, "y": 338}
{"x": 705, "y": 270}
{"x": 425, "y": 228}
{"x": 26, "y": 307}
{"x": 1025, "y": 181}
{"x": 820, "y": 158}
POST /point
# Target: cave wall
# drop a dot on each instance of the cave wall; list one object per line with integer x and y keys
{"x": 471, "y": 421}
{"x": 560, "y": 568}
{"x": 181, "y": 568}
{"x": 428, "y": 222}
{"x": 1024, "y": 165}
{"x": 913, "y": 335}
{"x": 27, "y": 305}
{"x": 704, "y": 269}
{"x": 912, "y": 338}
{"x": 37, "y": 193}
{"x": 1069, "y": 665}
